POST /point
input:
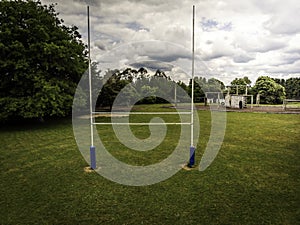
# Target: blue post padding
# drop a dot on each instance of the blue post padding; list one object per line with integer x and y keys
{"x": 192, "y": 156}
{"x": 93, "y": 157}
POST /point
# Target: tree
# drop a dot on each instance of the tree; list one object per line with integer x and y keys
{"x": 270, "y": 92}
{"x": 291, "y": 85}
{"x": 280, "y": 81}
{"x": 150, "y": 92}
{"x": 112, "y": 85}
{"x": 215, "y": 85}
{"x": 202, "y": 86}
{"x": 139, "y": 87}
{"x": 292, "y": 88}
{"x": 41, "y": 61}
{"x": 241, "y": 83}
{"x": 82, "y": 98}
{"x": 199, "y": 84}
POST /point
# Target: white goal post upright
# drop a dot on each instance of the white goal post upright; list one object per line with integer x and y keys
{"x": 192, "y": 147}
{"x": 92, "y": 147}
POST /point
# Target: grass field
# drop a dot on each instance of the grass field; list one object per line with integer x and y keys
{"x": 254, "y": 179}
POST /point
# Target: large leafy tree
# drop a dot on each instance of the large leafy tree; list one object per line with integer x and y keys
{"x": 270, "y": 92}
{"x": 292, "y": 87}
{"x": 113, "y": 83}
{"x": 41, "y": 61}
{"x": 241, "y": 83}
{"x": 199, "y": 85}
{"x": 202, "y": 86}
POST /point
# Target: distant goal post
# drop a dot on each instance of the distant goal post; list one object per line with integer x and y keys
{"x": 291, "y": 104}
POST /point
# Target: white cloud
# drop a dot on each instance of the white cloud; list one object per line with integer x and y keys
{"x": 233, "y": 37}
{"x": 99, "y": 44}
{"x": 284, "y": 16}
{"x": 242, "y": 58}
{"x": 259, "y": 42}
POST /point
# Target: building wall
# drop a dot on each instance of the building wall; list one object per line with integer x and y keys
{"x": 233, "y": 101}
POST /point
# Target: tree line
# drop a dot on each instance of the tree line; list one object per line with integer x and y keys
{"x": 271, "y": 91}
{"x": 143, "y": 87}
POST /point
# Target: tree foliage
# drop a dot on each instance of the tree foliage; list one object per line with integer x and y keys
{"x": 270, "y": 92}
{"x": 201, "y": 86}
{"x": 113, "y": 84}
{"x": 138, "y": 87}
{"x": 292, "y": 87}
{"x": 137, "y": 83}
{"x": 241, "y": 83}
{"x": 41, "y": 61}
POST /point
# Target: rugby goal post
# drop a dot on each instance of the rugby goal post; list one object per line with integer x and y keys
{"x": 291, "y": 104}
{"x": 92, "y": 113}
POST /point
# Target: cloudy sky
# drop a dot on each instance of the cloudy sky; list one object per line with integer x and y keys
{"x": 232, "y": 38}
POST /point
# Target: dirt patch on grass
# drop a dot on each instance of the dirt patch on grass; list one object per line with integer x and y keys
{"x": 262, "y": 109}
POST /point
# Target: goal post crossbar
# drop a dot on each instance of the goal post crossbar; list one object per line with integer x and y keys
{"x": 142, "y": 113}
{"x": 286, "y": 101}
{"x": 141, "y": 124}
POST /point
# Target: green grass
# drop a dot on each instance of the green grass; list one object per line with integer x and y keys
{"x": 253, "y": 180}
{"x": 293, "y": 105}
